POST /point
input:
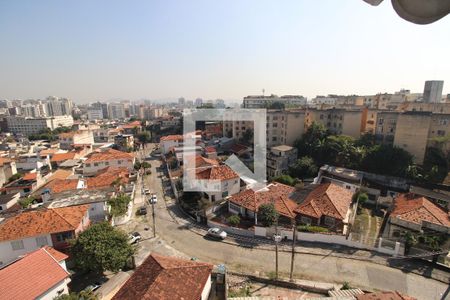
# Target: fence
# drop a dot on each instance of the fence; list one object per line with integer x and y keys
{"x": 383, "y": 246}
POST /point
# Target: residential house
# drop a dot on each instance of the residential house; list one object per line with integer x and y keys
{"x": 221, "y": 182}
{"x": 328, "y": 205}
{"x": 59, "y": 158}
{"x": 279, "y": 159}
{"x": 8, "y": 200}
{"x": 124, "y": 142}
{"x": 247, "y": 202}
{"x": 105, "y": 158}
{"x": 25, "y": 185}
{"x": 32, "y": 161}
{"x": 41, "y": 274}
{"x": 81, "y": 137}
{"x": 161, "y": 277}
{"x": 30, "y": 230}
{"x": 170, "y": 141}
{"x": 7, "y": 169}
{"x": 132, "y": 128}
{"x": 416, "y": 213}
{"x": 210, "y": 152}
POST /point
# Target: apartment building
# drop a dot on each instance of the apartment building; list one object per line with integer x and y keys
{"x": 266, "y": 101}
{"x": 432, "y": 92}
{"x": 279, "y": 159}
{"x": 413, "y": 131}
{"x": 337, "y": 120}
{"x": 95, "y": 114}
{"x": 99, "y": 160}
{"x": 27, "y": 126}
{"x": 82, "y": 137}
{"x": 116, "y": 111}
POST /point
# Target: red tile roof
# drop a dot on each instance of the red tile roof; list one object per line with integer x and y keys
{"x": 201, "y": 162}
{"x": 327, "y": 199}
{"x": 221, "y": 172}
{"x": 4, "y": 160}
{"x": 48, "y": 151}
{"x": 30, "y": 176}
{"x": 59, "y": 256}
{"x": 166, "y": 278}
{"x": 415, "y": 209}
{"x": 108, "y": 154}
{"x": 171, "y": 138}
{"x": 31, "y": 276}
{"x": 42, "y": 221}
{"x": 107, "y": 178}
{"x": 388, "y": 295}
{"x": 57, "y": 157}
{"x": 132, "y": 125}
{"x": 61, "y": 185}
{"x": 210, "y": 149}
{"x": 238, "y": 148}
{"x": 276, "y": 193}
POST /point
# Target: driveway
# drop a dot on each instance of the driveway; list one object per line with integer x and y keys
{"x": 363, "y": 274}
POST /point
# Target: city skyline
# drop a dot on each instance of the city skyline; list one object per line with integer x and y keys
{"x": 227, "y": 50}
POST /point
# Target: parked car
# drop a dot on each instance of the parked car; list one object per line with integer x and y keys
{"x": 134, "y": 237}
{"x": 147, "y": 192}
{"x": 142, "y": 211}
{"x": 95, "y": 286}
{"x": 153, "y": 199}
{"x": 217, "y": 233}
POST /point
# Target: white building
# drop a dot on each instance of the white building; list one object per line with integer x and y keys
{"x": 82, "y": 137}
{"x": 105, "y": 158}
{"x": 222, "y": 182}
{"x": 116, "y": 111}
{"x": 94, "y": 114}
{"x": 432, "y": 92}
{"x": 170, "y": 141}
{"x": 27, "y": 126}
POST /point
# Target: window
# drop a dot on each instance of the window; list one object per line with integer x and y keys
{"x": 41, "y": 241}
{"x": 61, "y": 237}
{"x": 106, "y": 163}
{"x": 235, "y": 207}
{"x": 119, "y": 162}
{"x": 17, "y": 245}
{"x": 441, "y": 132}
{"x": 95, "y": 164}
{"x": 329, "y": 221}
{"x": 225, "y": 194}
{"x": 274, "y": 139}
{"x": 88, "y": 165}
{"x": 305, "y": 220}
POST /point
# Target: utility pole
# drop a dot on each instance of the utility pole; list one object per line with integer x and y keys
{"x": 277, "y": 239}
{"x": 153, "y": 216}
{"x": 294, "y": 238}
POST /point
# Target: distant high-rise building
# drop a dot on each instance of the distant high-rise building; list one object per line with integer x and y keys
{"x": 432, "y": 92}
{"x": 198, "y": 102}
{"x": 181, "y": 101}
{"x": 116, "y": 111}
{"x": 219, "y": 103}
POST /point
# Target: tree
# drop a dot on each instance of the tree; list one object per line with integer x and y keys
{"x": 311, "y": 142}
{"x": 24, "y": 203}
{"x": 387, "y": 160}
{"x": 247, "y": 136}
{"x": 435, "y": 165}
{"x": 366, "y": 140}
{"x": 15, "y": 177}
{"x": 303, "y": 168}
{"x": 144, "y": 137}
{"x": 234, "y": 220}
{"x": 101, "y": 247}
{"x": 276, "y": 105}
{"x": 340, "y": 150}
{"x": 82, "y": 295}
{"x": 362, "y": 198}
{"x": 286, "y": 179}
{"x": 267, "y": 214}
{"x": 119, "y": 205}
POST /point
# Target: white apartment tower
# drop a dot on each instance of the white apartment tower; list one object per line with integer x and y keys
{"x": 432, "y": 92}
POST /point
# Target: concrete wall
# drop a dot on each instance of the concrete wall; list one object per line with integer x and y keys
{"x": 411, "y": 134}
{"x": 7, "y": 254}
{"x": 92, "y": 168}
{"x": 59, "y": 289}
{"x": 206, "y": 289}
{"x": 232, "y": 230}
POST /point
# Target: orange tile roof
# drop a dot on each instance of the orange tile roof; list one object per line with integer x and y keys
{"x": 210, "y": 149}
{"x": 57, "y": 157}
{"x": 107, "y": 178}
{"x": 61, "y": 185}
{"x": 4, "y": 160}
{"x": 48, "y": 151}
{"x": 31, "y": 276}
{"x": 326, "y": 199}
{"x": 30, "y": 176}
{"x": 221, "y": 172}
{"x": 42, "y": 221}
{"x": 171, "y": 138}
{"x": 166, "y": 278}
{"x": 415, "y": 209}
{"x": 238, "y": 148}
{"x": 108, "y": 154}
{"x": 201, "y": 162}
{"x": 132, "y": 125}
{"x": 60, "y": 174}
{"x": 68, "y": 134}
{"x": 59, "y": 256}
{"x": 276, "y": 193}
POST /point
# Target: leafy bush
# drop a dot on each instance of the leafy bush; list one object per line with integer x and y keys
{"x": 286, "y": 179}
{"x": 24, "y": 203}
{"x": 267, "y": 214}
{"x": 15, "y": 177}
{"x": 309, "y": 228}
{"x": 119, "y": 205}
{"x": 234, "y": 220}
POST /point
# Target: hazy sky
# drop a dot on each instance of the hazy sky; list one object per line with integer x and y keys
{"x": 101, "y": 50}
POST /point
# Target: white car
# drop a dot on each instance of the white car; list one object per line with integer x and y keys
{"x": 153, "y": 199}
{"x": 134, "y": 237}
{"x": 217, "y": 233}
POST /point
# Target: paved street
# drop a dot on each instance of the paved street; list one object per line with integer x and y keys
{"x": 328, "y": 268}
